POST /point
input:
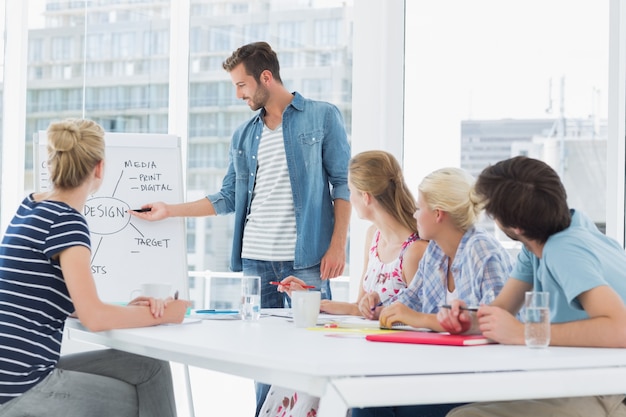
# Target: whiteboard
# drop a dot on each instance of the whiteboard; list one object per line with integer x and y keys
{"x": 126, "y": 251}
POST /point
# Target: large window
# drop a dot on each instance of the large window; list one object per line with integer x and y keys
{"x": 486, "y": 80}
{"x": 99, "y": 60}
{"x": 533, "y": 80}
{"x": 483, "y": 80}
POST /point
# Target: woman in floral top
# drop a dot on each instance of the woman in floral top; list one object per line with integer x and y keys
{"x": 393, "y": 248}
{"x": 386, "y": 278}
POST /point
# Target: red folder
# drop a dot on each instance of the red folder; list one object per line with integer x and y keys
{"x": 430, "y": 338}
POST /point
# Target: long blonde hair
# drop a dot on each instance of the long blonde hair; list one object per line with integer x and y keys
{"x": 379, "y": 174}
{"x": 452, "y": 190}
{"x": 75, "y": 147}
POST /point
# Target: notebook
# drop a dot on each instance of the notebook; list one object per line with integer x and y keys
{"x": 426, "y": 338}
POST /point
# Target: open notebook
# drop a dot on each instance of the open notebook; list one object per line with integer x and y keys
{"x": 430, "y": 338}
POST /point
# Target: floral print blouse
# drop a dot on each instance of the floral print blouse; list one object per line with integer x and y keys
{"x": 385, "y": 278}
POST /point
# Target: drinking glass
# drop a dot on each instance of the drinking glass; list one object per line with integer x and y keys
{"x": 250, "y": 307}
{"x": 537, "y": 319}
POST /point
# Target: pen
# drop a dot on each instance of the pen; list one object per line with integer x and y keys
{"x": 286, "y": 285}
{"x": 461, "y": 307}
{"x": 142, "y": 210}
{"x": 376, "y": 306}
{"x": 217, "y": 311}
{"x": 176, "y": 295}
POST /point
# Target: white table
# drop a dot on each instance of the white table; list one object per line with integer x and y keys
{"x": 352, "y": 372}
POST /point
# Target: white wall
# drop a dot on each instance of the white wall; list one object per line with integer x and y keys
{"x": 377, "y": 97}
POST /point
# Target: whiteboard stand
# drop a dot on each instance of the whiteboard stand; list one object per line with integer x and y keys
{"x": 140, "y": 168}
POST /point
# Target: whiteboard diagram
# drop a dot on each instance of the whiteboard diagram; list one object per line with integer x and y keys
{"x": 127, "y": 251}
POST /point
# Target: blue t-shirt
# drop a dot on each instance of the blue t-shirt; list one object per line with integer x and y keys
{"x": 34, "y": 301}
{"x": 573, "y": 261}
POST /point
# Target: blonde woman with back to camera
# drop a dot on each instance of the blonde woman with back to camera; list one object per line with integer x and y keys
{"x": 45, "y": 276}
{"x": 393, "y": 247}
{"x": 393, "y": 250}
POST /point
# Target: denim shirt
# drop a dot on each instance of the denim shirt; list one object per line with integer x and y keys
{"x": 317, "y": 152}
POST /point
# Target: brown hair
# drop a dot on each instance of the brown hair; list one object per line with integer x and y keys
{"x": 525, "y": 193}
{"x": 75, "y": 147}
{"x": 256, "y": 58}
{"x": 379, "y": 174}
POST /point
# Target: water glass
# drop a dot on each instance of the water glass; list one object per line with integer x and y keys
{"x": 537, "y": 319}
{"x": 250, "y": 307}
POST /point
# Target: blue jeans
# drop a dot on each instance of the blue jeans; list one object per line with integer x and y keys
{"x": 271, "y": 298}
{"x": 100, "y": 383}
{"x": 277, "y": 271}
{"x": 428, "y": 410}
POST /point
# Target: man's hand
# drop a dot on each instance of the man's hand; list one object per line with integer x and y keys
{"x": 498, "y": 324}
{"x": 151, "y": 211}
{"x": 333, "y": 262}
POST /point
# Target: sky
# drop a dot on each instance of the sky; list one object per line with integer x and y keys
{"x": 494, "y": 59}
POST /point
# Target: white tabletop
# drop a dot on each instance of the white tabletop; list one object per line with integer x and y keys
{"x": 349, "y": 371}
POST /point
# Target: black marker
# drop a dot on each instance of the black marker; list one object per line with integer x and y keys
{"x": 142, "y": 210}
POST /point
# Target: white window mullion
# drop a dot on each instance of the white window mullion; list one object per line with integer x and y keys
{"x": 14, "y": 108}
{"x": 377, "y": 97}
{"x": 178, "y": 120}
{"x": 616, "y": 148}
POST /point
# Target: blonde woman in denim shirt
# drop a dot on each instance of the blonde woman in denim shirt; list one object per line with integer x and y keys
{"x": 461, "y": 262}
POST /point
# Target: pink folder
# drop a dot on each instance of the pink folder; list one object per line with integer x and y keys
{"x": 430, "y": 338}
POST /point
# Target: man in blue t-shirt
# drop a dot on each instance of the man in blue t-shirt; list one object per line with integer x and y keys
{"x": 564, "y": 254}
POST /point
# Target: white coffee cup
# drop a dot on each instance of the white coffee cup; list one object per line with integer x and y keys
{"x": 305, "y": 307}
{"x": 154, "y": 290}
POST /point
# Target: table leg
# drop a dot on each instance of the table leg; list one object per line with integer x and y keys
{"x": 189, "y": 393}
{"x": 332, "y": 403}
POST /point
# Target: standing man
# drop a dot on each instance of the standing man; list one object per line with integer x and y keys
{"x": 564, "y": 254}
{"x": 287, "y": 183}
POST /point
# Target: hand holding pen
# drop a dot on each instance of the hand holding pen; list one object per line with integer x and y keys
{"x": 151, "y": 211}
{"x": 290, "y": 284}
{"x": 455, "y": 318}
{"x": 369, "y": 305}
{"x": 461, "y": 307}
{"x": 302, "y": 286}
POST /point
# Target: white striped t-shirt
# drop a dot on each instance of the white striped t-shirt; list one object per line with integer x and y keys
{"x": 270, "y": 231}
